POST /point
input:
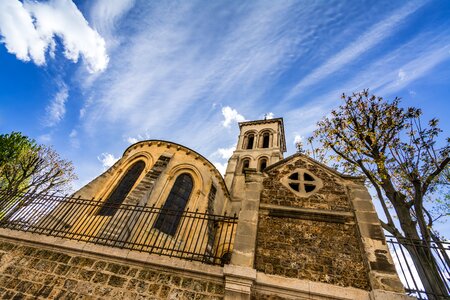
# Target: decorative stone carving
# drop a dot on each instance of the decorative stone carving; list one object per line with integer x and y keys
{"x": 302, "y": 182}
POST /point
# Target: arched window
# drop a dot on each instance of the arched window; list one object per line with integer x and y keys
{"x": 245, "y": 164}
{"x": 250, "y": 141}
{"x": 266, "y": 140}
{"x": 262, "y": 164}
{"x": 115, "y": 199}
{"x": 173, "y": 208}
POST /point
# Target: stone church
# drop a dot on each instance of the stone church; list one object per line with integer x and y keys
{"x": 163, "y": 223}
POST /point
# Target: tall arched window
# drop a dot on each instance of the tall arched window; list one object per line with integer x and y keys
{"x": 262, "y": 164}
{"x": 173, "y": 208}
{"x": 266, "y": 140}
{"x": 115, "y": 199}
{"x": 250, "y": 141}
{"x": 245, "y": 164}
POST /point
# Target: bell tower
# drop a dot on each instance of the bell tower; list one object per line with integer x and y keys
{"x": 261, "y": 143}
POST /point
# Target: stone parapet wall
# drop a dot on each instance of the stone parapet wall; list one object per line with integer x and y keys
{"x": 313, "y": 237}
{"x": 306, "y": 249}
{"x": 30, "y": 271}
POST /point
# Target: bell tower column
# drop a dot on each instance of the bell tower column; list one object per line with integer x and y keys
{"x": 261, "y": 143}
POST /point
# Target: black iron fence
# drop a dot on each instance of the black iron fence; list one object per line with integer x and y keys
{"x": 430, "y": 266}
{"x": 187, "y": 234}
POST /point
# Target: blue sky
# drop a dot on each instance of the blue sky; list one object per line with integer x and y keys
{"x": 91, "y": 77}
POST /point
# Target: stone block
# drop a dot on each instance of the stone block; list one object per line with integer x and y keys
{"x": 370, "y": 230}
{"x": 367, "y": 217}
{"x": 384, "y": 295}
{"x": 100, "y": 278}
{"x": 363, "y": 205}
{"x": 116, "y": 281}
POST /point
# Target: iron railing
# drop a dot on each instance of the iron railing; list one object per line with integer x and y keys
{"x": 409, "y": 272}
{"x": 199, "y": 236}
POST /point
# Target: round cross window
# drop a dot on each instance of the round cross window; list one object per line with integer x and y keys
{"x": 302, "y": 182}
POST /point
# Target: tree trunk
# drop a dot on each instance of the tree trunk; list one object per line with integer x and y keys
{"x": 427, "y": 268}
{"x": 430, "y": 275}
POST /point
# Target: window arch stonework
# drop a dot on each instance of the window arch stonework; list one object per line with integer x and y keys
{"x": 175, "y": 204}
{"x": 118, "y": 170}
{"x": 265, "y": 139}
{"x": 262, "y": 163}
{"x": 122, "y": 189}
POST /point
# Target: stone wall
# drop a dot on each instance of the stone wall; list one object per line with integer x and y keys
{"x": 31, "y": 272}
{"x": 313, "y": 238}
{"x": 305, "y": 249}
{"x": 332, "y": 196}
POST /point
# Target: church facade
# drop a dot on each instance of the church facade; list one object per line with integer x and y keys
{"x": 301, "y": 230}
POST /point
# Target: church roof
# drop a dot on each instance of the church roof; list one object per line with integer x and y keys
{"x": 188, "y": 151}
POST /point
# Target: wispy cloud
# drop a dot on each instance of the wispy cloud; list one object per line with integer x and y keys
{"x": 361, "y": 45}
{"x": 57, "y": 107}
{"x": 74, "y": 140}
{"x": 224, "y": 153}
{"x": 45, "y": 138}
{"x": 168, "y": 67}
{"x": 105, "y": 14}
{"x": 175, "y": 66}
{"x": 385, "y": 76}
{"x": 29, "y": 30}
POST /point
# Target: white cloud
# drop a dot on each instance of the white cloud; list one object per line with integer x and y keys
{"x": 224, "y": 153}
{"x": 269, "y": 116}
{"x": 107, "y": 159}
{"x": 231, "y": 115}
{"x": 57, "y": 108}
{"x": 132, "y": 140}
{"x": 18, "y": 32}
{"x": 29, "y": 31}
{"x": 298, "y": 139}
{"x": 362, "y": 44}
{"x": 220, "y": 167}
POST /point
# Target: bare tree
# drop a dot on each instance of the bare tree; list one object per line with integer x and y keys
{"x": 403, "y": 162}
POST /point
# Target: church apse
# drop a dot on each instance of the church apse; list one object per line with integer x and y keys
{"x": 159, "y": 198}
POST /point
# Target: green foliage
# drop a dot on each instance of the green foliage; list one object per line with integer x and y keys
{"x": 26, "y": 166}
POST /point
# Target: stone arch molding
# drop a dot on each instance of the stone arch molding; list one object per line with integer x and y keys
{"x": 190, "y": 169}
{"x": 122, "y": 165}
{"x": 302, "y": 182}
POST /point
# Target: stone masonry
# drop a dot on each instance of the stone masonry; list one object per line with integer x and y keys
{"x": 28, "y": 272}
{"x": 313, "y": 238}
